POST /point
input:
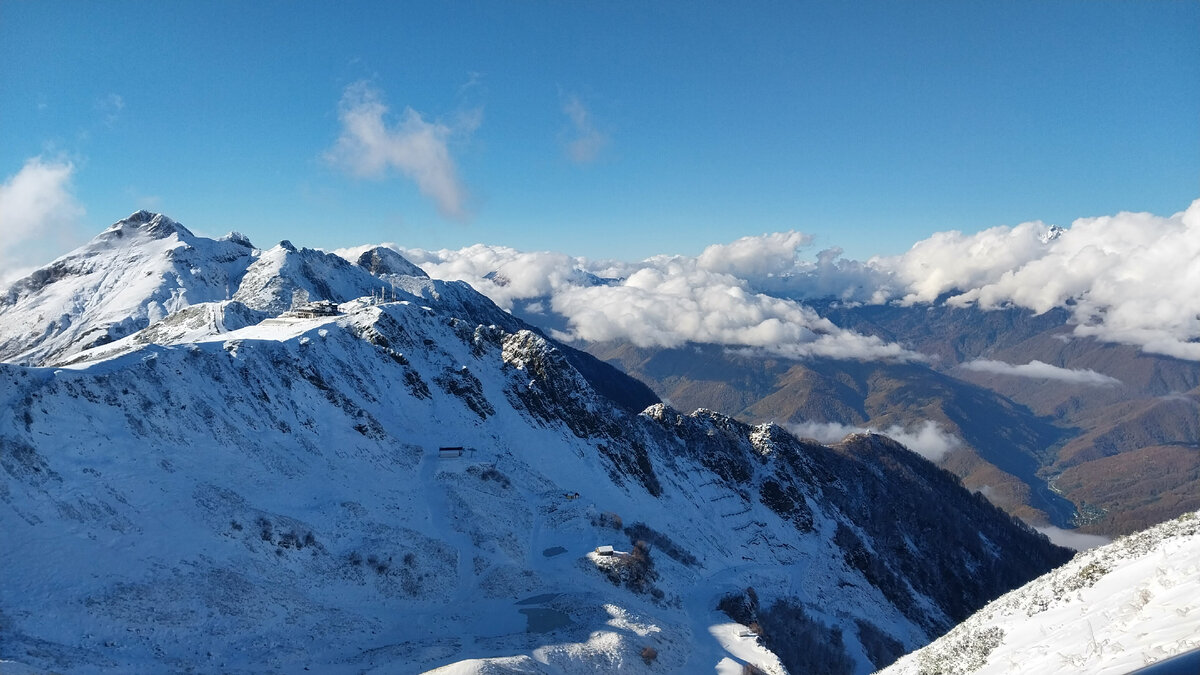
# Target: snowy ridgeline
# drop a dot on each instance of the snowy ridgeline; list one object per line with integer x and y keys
{"x": 274, "y": 497}
{"x": 206, "y": 484}
{"x": 1112, "y": 609}
{"x": 148, "y": 267}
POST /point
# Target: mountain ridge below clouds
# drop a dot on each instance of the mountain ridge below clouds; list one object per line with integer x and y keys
{"x": 992, "y": 443}
{"x": 1030, "y": 448}
{"x": 1148, "y": 401}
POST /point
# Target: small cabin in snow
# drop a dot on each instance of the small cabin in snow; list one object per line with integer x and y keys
{"x": 450, "y": 452}
{"x": 605, "y": 550}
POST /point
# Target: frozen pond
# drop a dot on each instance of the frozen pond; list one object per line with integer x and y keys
{"x": 538, "y": 599}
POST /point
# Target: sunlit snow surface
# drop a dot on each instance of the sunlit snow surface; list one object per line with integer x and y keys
{"x": 202, "y": 483}
{"x": 162, "y": 526}
{"x": 1110, "y": 610}
{"x": 134, "y": 273}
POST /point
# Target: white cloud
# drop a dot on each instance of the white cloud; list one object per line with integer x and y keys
{"x": 927, "y": 439}
{"x": 111, "y": 106}
{"x": 824, "y": 432}
{"x": 950, "y": 261}
{"x": 501, "y": 273}
{"x": 1039, "y": 370}
{"x": 1072, "y": 539}
{"x": 585, "y": 141}
{"x": 38, "y": 214}
{"x": 1132, "y": 278}
{"x": 753, "y": 257}
{"x": 668, "y": 306}
{"x": 989, "y": 492}
{"x": 369, "y": 146}
{"x": 663, "y": 301}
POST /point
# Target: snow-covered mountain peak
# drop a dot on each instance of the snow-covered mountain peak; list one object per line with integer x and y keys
{"x": 352, "y": 489}
{"x": 284, "y": 276}
{"x": 133, "y": 273}
{"x": 155, "y": 225}
{"x": 237, "y": 238}
{"x": 383, "y": 262}
{"x": 146, "y": 267}
{"x": 406, "y": 474}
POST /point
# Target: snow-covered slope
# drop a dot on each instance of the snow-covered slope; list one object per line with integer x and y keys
{"x": 147, "y": 266}
{"x": 1112, "y": 609}
{"x": 132, "y": 274}
{"x": 274, "y": 497}
{"x": 284, "y": 276}
{"x": 228, "y": 489}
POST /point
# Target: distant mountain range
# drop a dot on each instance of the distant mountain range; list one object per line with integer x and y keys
{"x": 1132, "y": 455}
{"x": 1101, "y": 436}
{"x": 205, "y": 469}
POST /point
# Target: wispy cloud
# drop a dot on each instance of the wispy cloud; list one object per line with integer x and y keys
{"x": 584, "y": 141}
{"x": 927, "y": 439}
{"x": 110, "y": 107}
{"x": 474, "y": 81}
{"x": 37, "y": 208}
{"x": 1042, "y": 371}
{"x": 369, "y": 145}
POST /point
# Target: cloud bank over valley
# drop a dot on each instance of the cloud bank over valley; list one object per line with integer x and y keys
{"x": 664, "y": 301}
{"x": 927, "y": 439}
{"x": 1131, "y": 278}
{"x": 1038, "y": 370}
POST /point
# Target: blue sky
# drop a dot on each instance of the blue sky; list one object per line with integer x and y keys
{"x": 600, "y": 129}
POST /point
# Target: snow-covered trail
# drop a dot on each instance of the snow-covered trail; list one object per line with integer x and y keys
{"x": 442, "y": 522}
